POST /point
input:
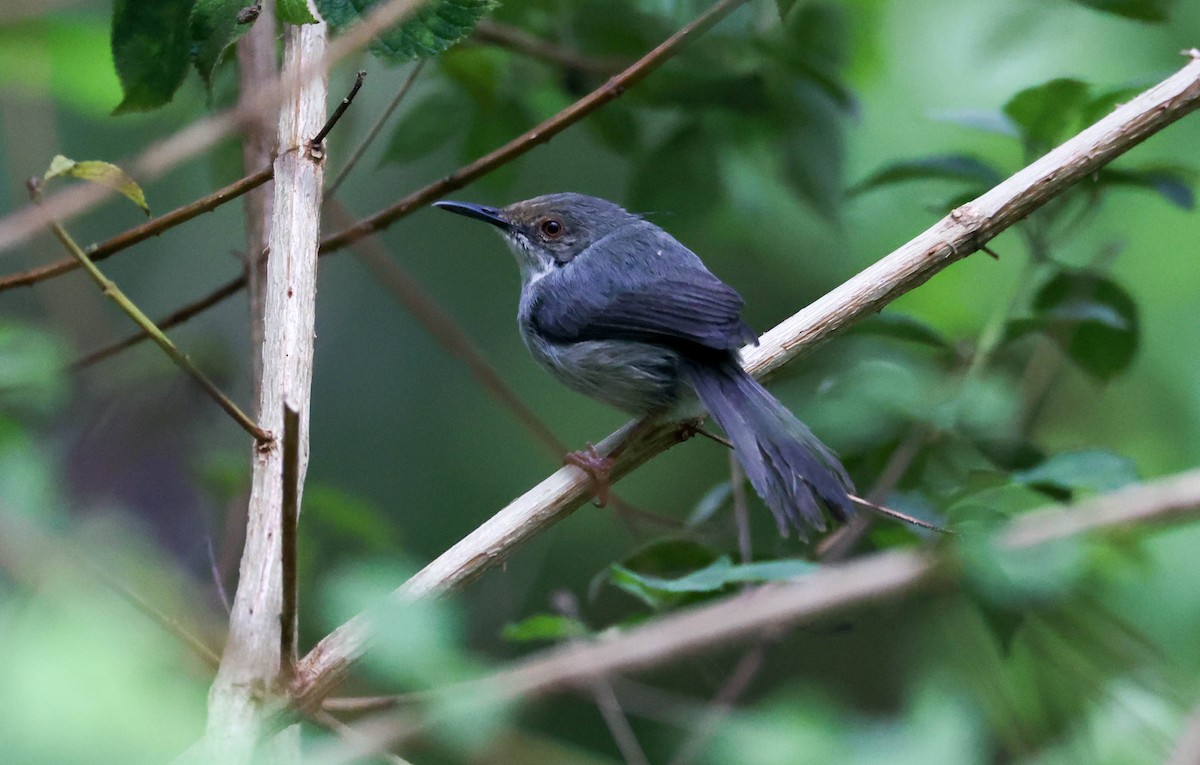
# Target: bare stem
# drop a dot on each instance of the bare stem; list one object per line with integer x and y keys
{"x": 356, "y": 155}
{"x": 520, "y": 41}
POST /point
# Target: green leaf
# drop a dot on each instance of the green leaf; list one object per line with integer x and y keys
{"x": 1046, "y": 113}
{"x": 1175, "y": 184}
{"x": 984, "y": 121}
{"x": 294, "y": 12}
{"x": 544, "y": 627}
{"x": 962, "y": 168}
{"x": 1141, "y": 10}
{"x": 1090, "y": 470}
{"x": 102, "y": 173}
{"x": 784, "y": 7}
{"x": 658, "y": 591}
{"x": 431, "y": 29}
{"x": 425, "y": 127}
{"x": 213, "y": 27}
{"x": 61, "y": 56}
{"x": 1023, "y": 576}
{"x": 1092, "y": 318}
{"x": 150, "y": 47}
{"x": 31, "y": 369}
{"x": 693, "y": 185}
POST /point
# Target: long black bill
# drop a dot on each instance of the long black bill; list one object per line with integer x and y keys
{"x": 478, "y": 212}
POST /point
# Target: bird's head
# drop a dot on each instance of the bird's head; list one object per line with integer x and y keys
{"x": 547, "y": 232}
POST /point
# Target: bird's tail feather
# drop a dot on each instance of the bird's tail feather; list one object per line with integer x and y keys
{"x": 797, "y": 476}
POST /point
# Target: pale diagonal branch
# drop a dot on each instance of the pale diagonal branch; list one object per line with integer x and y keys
{"x": 954, "y": 237}
{"x": 826, "y": 593}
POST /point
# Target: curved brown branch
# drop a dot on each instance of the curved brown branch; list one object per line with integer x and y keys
{"x": 954, "y": 237}
{"x": 520, "y": 41}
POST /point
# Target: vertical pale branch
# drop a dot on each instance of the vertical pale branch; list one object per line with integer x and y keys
{"x": 251, "y": 662}
{"x": 257, "y": 69}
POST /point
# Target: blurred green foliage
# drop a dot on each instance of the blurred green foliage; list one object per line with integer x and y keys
{"x": 791, "y": 146}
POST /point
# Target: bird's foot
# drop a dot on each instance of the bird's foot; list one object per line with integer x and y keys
{"x": 596, "y": 465}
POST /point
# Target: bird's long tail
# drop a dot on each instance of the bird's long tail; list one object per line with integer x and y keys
{"x": 797, "y": 476}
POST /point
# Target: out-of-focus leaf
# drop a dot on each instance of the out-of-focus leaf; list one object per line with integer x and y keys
{"x": 495, "y": 125}
{"x": 478, "y": 70}
{"x": 429, "y": 124}
{"x": 552, "y": 627}
{"x": 213, "y": 27}
{"x": 1102, "y": 104}
{"x": 984, "y": 121}
{"x": 1093, "y": 319}
{"x": 150, "y": 47}
{"x": 784, "y": 7}
{"x": 1142, "y": 10}
{"x": 31, "y": 369}
{"x": 294, "y": 12}
{"x": 431, "y": 29}
{"x": 947, "y": 167}
{"x": 1090, "y": 470}
{"x": 62, "y": 56}
{"x": 657, "y": 591}
{"x": 691, "y": 186}
{"x": 1024, "y": 576}
{"x": 102, "y": 173}
{"x": 902, "y": 327}
{"x": 350, "y": 520}
{"x": 1175, "y": 184}
{"x": 711, "y": 503}
{"x": 1046, "y": 113}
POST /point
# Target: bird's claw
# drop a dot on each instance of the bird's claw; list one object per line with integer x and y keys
{"x": 596, "y": 465}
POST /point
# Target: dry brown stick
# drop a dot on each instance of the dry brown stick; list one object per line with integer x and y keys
{"x": 836, "y": 588}
{"x": 520, "y": 41}
{"x": 141, "y": 233}
{"x": 289, "y": 613}
{"x": 947, "y": 241}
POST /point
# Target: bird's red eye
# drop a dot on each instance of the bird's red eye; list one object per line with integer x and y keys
{"x": 552, "y": 228}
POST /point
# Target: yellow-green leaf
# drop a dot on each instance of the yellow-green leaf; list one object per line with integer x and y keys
{"x": 103, "y": 173}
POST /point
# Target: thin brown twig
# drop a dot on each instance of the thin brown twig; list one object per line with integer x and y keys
{"x": 367, "y": 140}
{"x": 332, "y": 122}
{"x": 289, "y": 527}
{"x": 520, "y": 41}
{"x": 738, "y": 683}
{"x": 143, "y": 232}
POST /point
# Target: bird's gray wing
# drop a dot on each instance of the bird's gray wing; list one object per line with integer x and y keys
{"x": 654, "y": 290}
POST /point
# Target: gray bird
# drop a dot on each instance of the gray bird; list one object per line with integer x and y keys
{"x": 617, "y": 309}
